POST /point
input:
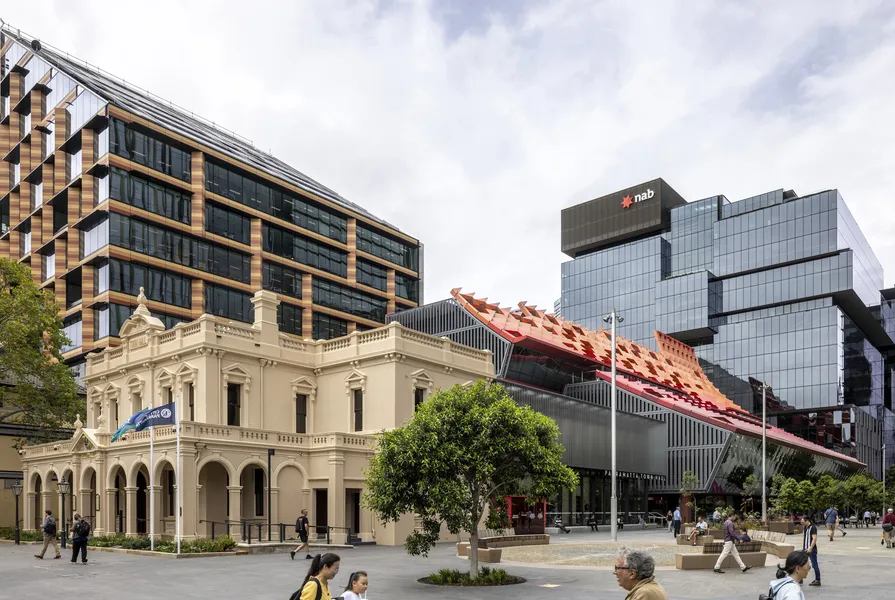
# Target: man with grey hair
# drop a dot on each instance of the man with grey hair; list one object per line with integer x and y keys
{"x": 634, "y": 572}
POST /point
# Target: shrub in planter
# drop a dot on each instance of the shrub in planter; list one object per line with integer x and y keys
{"x": 486, "y": 577}
{"x": 9, "y": 533}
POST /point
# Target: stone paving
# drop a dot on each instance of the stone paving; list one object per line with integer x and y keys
{"x": 854, "y": 567}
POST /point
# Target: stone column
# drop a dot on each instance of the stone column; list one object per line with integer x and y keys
{"x": 47, "y": 503}
{"x": 28, "y": 516}
{"x": 130, "y": 516}
{"x": 108, "y": 513}
{"x": 235, "y": 515}
{"x": 274, "y": 512}
{"x": 336, "y": 497}
{"x": 155, "y": 495}
{"x": 85, "y": 506}
{"x": 190, "y": 508}
{"x": 99, "y": 525}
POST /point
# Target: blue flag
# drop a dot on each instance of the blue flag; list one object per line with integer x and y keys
{"x": 130, "y": 424}
{"x": 162, "y": 415}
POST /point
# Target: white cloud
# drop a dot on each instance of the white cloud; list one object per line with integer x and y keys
{"x": 472, "y": 130}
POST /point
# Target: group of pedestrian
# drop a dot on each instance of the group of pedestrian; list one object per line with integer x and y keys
{"x": 80, "y": 535}
{"x": 324, "y": 568}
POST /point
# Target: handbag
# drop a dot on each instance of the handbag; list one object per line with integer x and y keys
{"x": 887, "y": 527}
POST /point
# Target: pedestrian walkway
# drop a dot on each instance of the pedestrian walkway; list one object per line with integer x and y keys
{"x": 854, "y": 566}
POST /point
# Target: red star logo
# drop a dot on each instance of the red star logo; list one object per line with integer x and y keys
{"x": 627, "y": 201}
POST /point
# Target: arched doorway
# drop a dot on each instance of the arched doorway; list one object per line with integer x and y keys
{"x": 69, "y": 504}
{"x": 118, "y": 504}
{"x": 142, "y": 502}
{"x": 87, "y": 500}
{"x": 166, "y": 479}
{"x": 214, "y": 500}
{"x": 290, "y": 496}
{"x": 37, "y": 509}
{"x": 253, "y": 480}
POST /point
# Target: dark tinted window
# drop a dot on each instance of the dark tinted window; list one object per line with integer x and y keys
{"x": 379, "y": 244}
{"x": 289, "y": 318}
{"x": 228, "y": 223}
{"x": 346, "y": 299}
{"x": 372, "y": 275}
{"x": 280, "y": 279}
{"x": 146, "y": 148}
{"x": 407, "y": 287}
{"x": 231, "y": 304}
{"x": 305, "y": 250}
{"x": 139, "y": 192}
{"x": 326, "y": 327}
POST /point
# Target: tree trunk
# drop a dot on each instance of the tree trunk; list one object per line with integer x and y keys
{"x": 474, "y": 553}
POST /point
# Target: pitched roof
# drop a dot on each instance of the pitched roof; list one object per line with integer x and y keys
{"x": 142, "y": 103}
{"x": 670, "y": 377}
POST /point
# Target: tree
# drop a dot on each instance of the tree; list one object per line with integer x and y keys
{"x": 44, "y": 393}
{"x": 751, "y": 487}
{"x": 463, "y": 448}
{"x": 828, "y": 492}
{"x": 690, "y": 483}
{"x": 805, "y": 497}
{"x": 861, "y": 492}
{"x": 787, "y": 499}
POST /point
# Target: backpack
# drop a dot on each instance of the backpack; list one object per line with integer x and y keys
{"x": 50, "y": 528}
{"x": 82, "y": 529}
{"x": 771, "y": 595}
{"x": 297, "y": 594}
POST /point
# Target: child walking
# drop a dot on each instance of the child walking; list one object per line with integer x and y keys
{"x": 357, "y": 586}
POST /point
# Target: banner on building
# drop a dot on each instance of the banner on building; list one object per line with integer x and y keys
{"x": 162, "y": 415}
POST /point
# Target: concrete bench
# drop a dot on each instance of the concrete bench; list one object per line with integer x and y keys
{"x": 687, "y": 562}
{"x": 718, "y": 547}
{"x": 776, "y": 548}
{"x": 506, "y": 541}
{"x": 489, "y": 555}
{"x": 684, "y": 540}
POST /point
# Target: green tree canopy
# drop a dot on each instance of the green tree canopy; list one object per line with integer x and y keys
{"x": 690, "y": 483}
{"x": 44, "y": 392}
{"x": 805, "y": 497}
{"x": 463, "y": 448}
{"x": 828, "y": 492}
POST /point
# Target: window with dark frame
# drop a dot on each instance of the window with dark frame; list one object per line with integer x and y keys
{"x": 419, "y": 396}
{"x": 234, "y": 391}
{"x": 192, "y": 401}
{"x": 259, "y": 492}
{"x": 301, "y": 413}
{"x": 358, "y": 410}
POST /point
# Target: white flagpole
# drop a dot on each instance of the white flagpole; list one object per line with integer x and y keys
{"x": 179, "y": 479}
{"x": 152, "y": 488}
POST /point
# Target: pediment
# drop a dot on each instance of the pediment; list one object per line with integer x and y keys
{"x": 140, "y": 322}
{"x": 356, "y": 379}
{"x": 421, "y": 379}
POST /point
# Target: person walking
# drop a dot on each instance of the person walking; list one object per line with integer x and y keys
{"x": 839, "y": 522}
{"x": 831, "y": 515}
{"x": 716, "y": 517}
{"x": 788, "y": 585}
{"x": 888, "y": 527}
{"x": 302, "y": 525}
{"x": 49, "y": 530}
{"x": 80, "y": 535}
{"x": 315, "y": 586}
{"x": 809, "y": 545}
{"x": 357, "y": 586}
{"x": 677, "y": 521}
{"x": 670, "y": 518}
{"x": 634, "y": 572}
{"x": 730, "y": 538}
{"x": 866, "y": 518}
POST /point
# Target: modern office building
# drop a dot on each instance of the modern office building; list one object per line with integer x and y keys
{"x": 671, "y": 418}
{"x": 779, "y": 289}
{"x": 105, "y": 188}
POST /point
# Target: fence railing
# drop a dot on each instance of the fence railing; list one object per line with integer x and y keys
{"x": 251, "y": 531}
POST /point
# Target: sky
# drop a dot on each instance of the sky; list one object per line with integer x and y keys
{"x": 471, "y": 124}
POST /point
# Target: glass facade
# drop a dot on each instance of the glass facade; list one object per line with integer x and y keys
{"x": 228, "y": 223}
{"x": 280, "y": 279}
{"x": 326, "y": 326}
{"x": 349, "y": 300}
{"x": 132, "y": 189}
{"x": 231, "y": 304}
{"x": 289, "y": 318}
{"x": 779, "y": 288}
{"x": 386, "y": 248}
{"x": 372, "y": 275}
{"x": 110, "y": 318}
{"x": 146, "y": 148}
{"x": 305, "y": 250}
{"x": 159, "y": 285}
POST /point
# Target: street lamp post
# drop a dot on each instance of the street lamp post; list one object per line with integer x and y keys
{"x": 64, "y": 489}
{"x": 270, "y": 453}
{"x": 764, "y": 453}
{"x": 613, "y": 318}
{"x": 17, "y": 491}
{"x": 883, "y": 513}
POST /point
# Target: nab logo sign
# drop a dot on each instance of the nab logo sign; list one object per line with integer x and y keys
{"x": 628, "y": 200}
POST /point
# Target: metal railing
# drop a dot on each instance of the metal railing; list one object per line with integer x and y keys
{"x": 247, "y": 530}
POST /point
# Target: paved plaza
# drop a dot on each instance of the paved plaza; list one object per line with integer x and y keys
{"x": 854, "y": 566}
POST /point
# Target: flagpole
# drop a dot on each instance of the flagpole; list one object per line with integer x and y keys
{"x": 179, "y": 479}
{"x": 152, "y": 488}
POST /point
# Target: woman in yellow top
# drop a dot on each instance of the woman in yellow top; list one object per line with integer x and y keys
{"x": 316, "y": 584}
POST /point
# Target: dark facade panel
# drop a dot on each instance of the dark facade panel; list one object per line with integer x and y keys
{"x": 586, "y": 432}
{"x": 632, "y": 212}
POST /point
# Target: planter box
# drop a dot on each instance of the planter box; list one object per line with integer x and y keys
{"x": 782, "y": 527}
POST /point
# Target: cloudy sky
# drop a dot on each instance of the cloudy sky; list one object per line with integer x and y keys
{"x": 471, "y": 123}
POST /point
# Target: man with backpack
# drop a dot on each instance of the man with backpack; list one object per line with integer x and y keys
{"x": 302, "y": 525}
{"x": 80, "y": 535}
{"x": 49, "y": 530}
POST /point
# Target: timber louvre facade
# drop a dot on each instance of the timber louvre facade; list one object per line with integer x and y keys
{"x": 105, "y": 189}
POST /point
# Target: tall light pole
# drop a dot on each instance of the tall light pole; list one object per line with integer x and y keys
{"x": 17, "y": 491}
{"x": 613, "y": 318}
{"x": 764, "y": 453}
{"x": 883, "y": 513}
{"x": 64, "y": 489}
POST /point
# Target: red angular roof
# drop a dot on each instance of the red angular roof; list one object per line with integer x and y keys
{"x": 670, "y": 377}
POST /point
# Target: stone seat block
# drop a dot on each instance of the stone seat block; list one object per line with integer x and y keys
{"x": 683, "y": 540}
{"x": 689, "y": 562}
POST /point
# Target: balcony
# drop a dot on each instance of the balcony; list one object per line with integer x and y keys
{"x": 15, "y": 174}
{"x": 25, "y": 246}
{"x": 26, "y": 126}
{"x": 37, "y": 194}
{"x": 74, "y": 167}
{"x": 49, "y": 267}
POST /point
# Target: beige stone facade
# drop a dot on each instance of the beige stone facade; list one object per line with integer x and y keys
{"x": 242, "y": 390}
